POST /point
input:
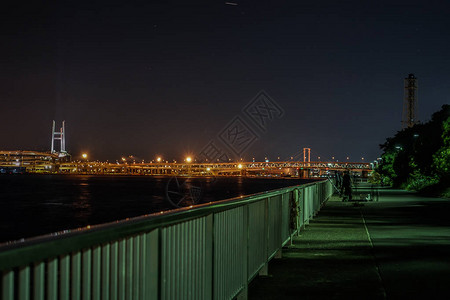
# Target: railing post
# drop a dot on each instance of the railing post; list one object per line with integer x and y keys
{"x": 76, "y": 276}
{"x": 299, "y": 212}
{"x": 96, "y": 272}
{"x": 306, "y": 205}
{"x": 86, "y": 274}
{"x": 129, "y": 268}
{"x": 137, "y": 261}
{"x": 265, "y": 268}
{"x": 64, "y": 265}
{"x": 114, "y": 270}
{"x": 121, "y": 270}
{"x": 151, "y": 250}
{"x": 8, "y": 285}
{"x": 209, "y": 260}
{"x": 39, "y": 280}
{"x": 106, "y": 274}
{"x": 52, "y": 279}
{"x": 243, "y": 294}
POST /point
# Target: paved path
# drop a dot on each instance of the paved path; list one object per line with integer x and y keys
{"x": 396, "y": 248}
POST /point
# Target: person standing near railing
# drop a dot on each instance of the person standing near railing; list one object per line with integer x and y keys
{"x": 338, "y": 179}
{"x": 346, "y": 187}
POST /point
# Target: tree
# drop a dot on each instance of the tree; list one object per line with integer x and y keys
{"x": 418, "y": 156}
{"x": 441, "y": 160}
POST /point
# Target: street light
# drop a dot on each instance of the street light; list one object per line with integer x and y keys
{"x": 158, "y": 159}
{"x": 188, "y": 159}
{"x": 84, "y": 166}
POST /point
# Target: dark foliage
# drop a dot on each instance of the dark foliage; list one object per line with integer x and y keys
{"x": 419, "y": 156}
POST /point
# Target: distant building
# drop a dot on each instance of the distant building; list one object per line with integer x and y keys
{"x": 28, "y": 162}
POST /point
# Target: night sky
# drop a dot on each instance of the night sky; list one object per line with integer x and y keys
{"x": 163, "y": 78}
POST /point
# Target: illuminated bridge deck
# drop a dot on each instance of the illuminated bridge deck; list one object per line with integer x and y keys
{"x": 293, "y": 168}
{"x": 46, "y": 162}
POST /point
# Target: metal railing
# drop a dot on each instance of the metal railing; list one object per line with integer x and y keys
{"x": 210, "y": 251}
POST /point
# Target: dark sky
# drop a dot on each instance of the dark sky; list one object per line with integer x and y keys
{"x": 164, "y": 78}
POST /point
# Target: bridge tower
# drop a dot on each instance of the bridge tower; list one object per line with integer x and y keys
{"x": 306, "y": 152}
{"x": 410, "y": 102}
{"x": 59, "y": 136}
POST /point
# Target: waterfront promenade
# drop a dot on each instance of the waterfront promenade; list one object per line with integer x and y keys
{"x": 396, "y": 248}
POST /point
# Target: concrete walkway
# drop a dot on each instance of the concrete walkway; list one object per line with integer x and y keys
{"x": 396, "y": 248}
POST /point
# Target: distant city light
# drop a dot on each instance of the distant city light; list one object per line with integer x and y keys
{"x": 84, "y": 155}
{"x": 158, "y": 159}
{"x": 208, "y": 169}
{"x": 188, "y": 159}
{"x": 239, "y": 166}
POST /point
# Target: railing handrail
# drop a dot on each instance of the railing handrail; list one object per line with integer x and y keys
{"x": 17, "y": 253}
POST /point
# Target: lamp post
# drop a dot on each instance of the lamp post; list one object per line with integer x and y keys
{"x": 188, "y": 159}
{"x": 84, "y": 156}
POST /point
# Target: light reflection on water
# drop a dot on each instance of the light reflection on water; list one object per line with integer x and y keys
{"x": 82, "y": 203}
